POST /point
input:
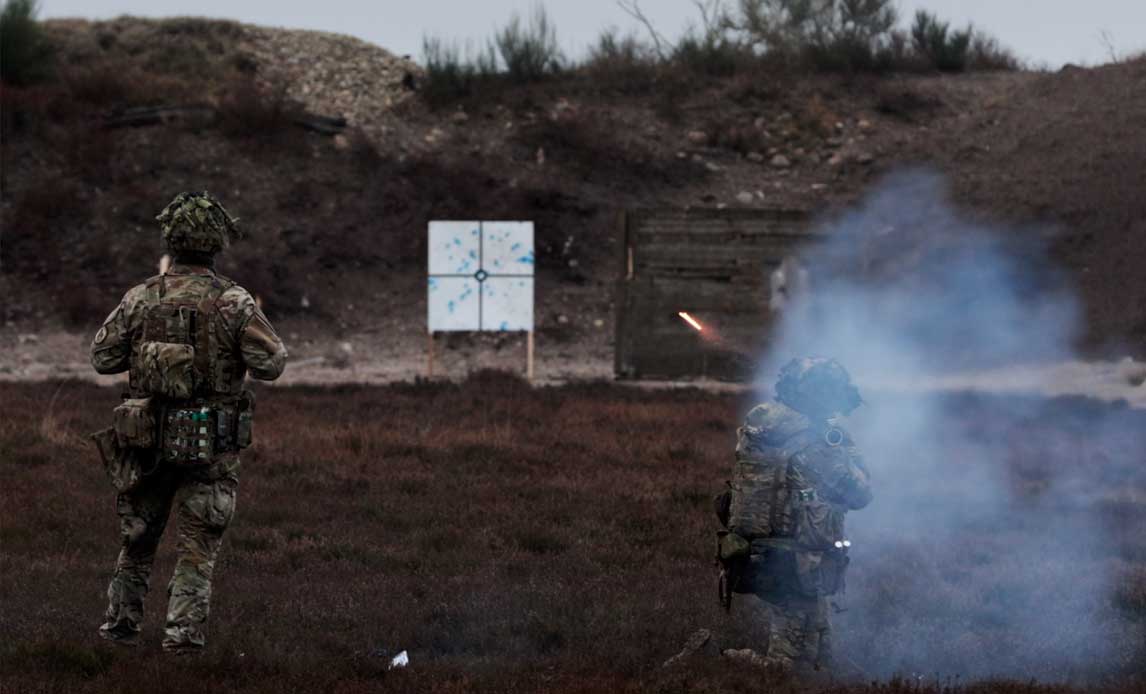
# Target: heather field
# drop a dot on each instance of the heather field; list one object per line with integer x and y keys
{"x": 559, "y": 539}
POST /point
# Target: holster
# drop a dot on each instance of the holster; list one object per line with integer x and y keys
{"x": 732, "y": 553}
{"x": 121, "y": 463}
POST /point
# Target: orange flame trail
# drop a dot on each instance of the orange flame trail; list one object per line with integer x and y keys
{"x": 691, "y": 321}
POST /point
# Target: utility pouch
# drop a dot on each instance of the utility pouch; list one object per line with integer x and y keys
{"x": 731, "y": 548}
{"x": 243, "y": 434}
{"x": 166, "y": 369}
{"x": 189, "y": 436}
{"x": 121, "y": 464}
{"x": 135, "y": 423}
{"x": 819, "y": 523}
{"x": 821, "y": 574}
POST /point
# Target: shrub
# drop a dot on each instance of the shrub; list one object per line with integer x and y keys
{"x": 450, "y": 75}
{"x": 833, "y": 35}
{"x": 529, "y": 52}
{"x": 987, "y": 54}
{"x": 946, "y": 50}
{"x": 621, "y": 60}
{"x": 25, "y": 55}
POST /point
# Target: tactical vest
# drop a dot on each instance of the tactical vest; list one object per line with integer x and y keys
{"x": 176, "y": 352}
{"x": 180, "y": 376}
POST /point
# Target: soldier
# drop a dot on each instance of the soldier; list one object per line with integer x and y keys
{"x": 784, "y": 547}
{"x": 188, "y": 337}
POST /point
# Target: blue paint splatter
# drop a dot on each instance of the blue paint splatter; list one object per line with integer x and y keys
{"x": 450, "y": 306}
{"x": 473, "y": 255}
{"x": 515, "y": 246}
{"x": 504, "y": 325}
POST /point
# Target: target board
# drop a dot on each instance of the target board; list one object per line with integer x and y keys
{"x": 480, "y": 276}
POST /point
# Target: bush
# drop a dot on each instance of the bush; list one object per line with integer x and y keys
{"x": 946, "y": 50}
{"x": 621, "y": 60}
{"x": 529, "y": 53}
{"x": 450, "y": 75}
{"x": 25, "y": 55}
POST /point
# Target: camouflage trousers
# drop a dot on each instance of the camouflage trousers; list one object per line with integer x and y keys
{"x": 204, "y": 501}
{"x": 786, "y": 626}
{"x": 792, "y": 632}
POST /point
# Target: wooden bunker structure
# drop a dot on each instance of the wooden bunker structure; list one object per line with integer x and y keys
{"x": 718, "y": 265}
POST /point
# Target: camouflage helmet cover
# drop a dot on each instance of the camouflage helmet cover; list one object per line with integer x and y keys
{"x": 197, "y": 222}
{"x": 817, "y": 386}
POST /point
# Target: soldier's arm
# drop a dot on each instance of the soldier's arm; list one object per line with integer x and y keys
{"x": 263, "y": 351}
{"x": 111, "y": 348}
{"x": 844, "y": 475}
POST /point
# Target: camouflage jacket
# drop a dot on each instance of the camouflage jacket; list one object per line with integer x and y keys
{"x": 242, "y": 339}
{"x": 817, "y": 460}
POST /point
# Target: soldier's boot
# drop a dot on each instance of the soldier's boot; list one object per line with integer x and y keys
{"x": 143, "y": 516}
{"x": 203, "y": 513}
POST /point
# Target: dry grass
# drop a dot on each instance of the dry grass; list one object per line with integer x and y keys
{"x": 513, "y": 539}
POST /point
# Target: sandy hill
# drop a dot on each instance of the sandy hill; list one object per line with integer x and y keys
{"x": 337, "y": 222}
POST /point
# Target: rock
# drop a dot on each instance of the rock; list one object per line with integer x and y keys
{"x": 865, "y": 158}
{"x": 697, "y": 137}
{"x": 562, "y": 319}
{"x": 865, "y": 126}
{"x": 699, "y": 639}
{"x": 540, "y": 156}
{"x": 711, "y": 166}
{"x": 835, "y": 161}
{"x": 744, "y": 197}
{"x": 28, "y": 338}
{"x": 341, "y": 142}
{"x": 755, "y": 157}
{"x": 682, "y": 155}
{"x": 598, "y": 323}
{"x": 460, "y": 116}
{"x": 780, "y": 162}
{"x": 819, "y": 186}
{"x": 304, "y": 302}
{"x": 433, "y": 136}
{"x": 746, "y": 656}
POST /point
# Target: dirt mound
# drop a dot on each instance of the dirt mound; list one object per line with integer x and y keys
{"x": 1070, "y": 148}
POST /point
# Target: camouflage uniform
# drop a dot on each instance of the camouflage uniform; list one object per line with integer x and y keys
{"x": 239, "y": 340}
{"x": 797, "y": 474}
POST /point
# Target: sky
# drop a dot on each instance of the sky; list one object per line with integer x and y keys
{"x": 1046, "y": 33}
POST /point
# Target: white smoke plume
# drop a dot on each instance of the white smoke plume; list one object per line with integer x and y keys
{"x": 988, "y": 550}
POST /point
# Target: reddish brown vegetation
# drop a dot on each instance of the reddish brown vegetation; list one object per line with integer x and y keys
{"x": 513, "y": 539}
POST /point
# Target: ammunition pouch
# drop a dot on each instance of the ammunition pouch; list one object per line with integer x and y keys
{"x": 166, "y": 369}
{"x": 122, "y": 464}
{"x": 134, "y": 423}
{"x": 820, "y": 574}
{"x": 194, "y": 435}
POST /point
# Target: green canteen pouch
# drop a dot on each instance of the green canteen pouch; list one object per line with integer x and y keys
{"x": 135, "y": 423}
{"x": 731, "y": 547}
{"x": 121, "y": 464}
{"x": 166, "y": 369}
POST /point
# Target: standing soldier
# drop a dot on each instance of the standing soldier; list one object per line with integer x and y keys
{"x": 783, "y": 544}
{"x": 188, "y": 338}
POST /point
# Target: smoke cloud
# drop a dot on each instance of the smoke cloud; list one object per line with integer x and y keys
{"x": 988, "y": 550}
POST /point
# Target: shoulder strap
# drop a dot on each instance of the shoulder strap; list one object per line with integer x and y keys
{"x": 205, "y": 341}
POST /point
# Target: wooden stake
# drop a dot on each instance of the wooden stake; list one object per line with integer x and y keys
{"x": 529, "y": 355}
{"x": 430, "y": 354}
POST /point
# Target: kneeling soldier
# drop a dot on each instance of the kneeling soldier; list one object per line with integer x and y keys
{"x": 795, "y": 478}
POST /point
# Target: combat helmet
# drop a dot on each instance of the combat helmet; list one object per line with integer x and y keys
{"x": 197, "y": 223}
{"x": 818, "y": 387}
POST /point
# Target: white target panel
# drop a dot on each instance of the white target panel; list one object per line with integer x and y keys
{"x": 480, "y": 276}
